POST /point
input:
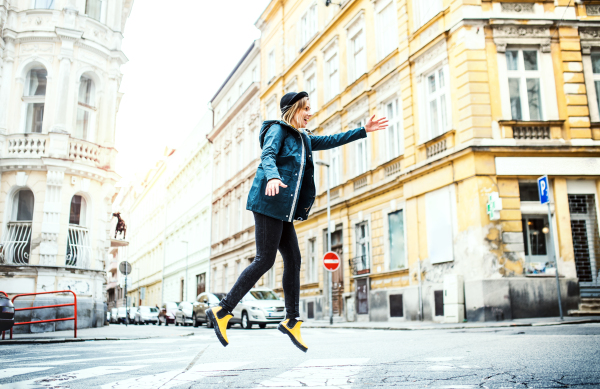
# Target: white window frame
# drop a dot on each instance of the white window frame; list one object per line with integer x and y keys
{"x": 254, "y": 74}
{"x": 436, "y": 228}
{"x": 386, "y": 28}
{"x": 522, "y": 75}
{"x": 32, "y": 100}
{"x": 91, "y": 109}
{"x": 331, "y": 68}
{"x": 271, "y": 65}
{"x": 271, "y": 109}
{"x": 312, "y": 268}
{"x": 590, "y": 80}
{"x": 217, "y": 232}
{"x": 240, "y": 156}
{"x": 394, "y": 134}
{"x": 367, "y": 241}
{"x": 292, "y": 85}
{"x": 441, "y": 98}
{"x": 103, "y": 9}
{"x": 335, "y": 167}
{"x": 356, "y": 47}
{"x": 309, "y": 24}
{"x": 240, "y": 213}
{"x": 424, "y": 11}
{"x": 310, "y": 84}
{"x": 35, "y": 4}
{"x": 227, "y": 221}
{"x": 361, "y": 158}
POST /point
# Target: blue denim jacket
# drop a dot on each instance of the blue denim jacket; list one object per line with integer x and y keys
{"x": 287, "y": 155}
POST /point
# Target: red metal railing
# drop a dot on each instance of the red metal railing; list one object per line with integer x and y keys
{"x": 74, "y": 304}
{"x": 3, "y": 332}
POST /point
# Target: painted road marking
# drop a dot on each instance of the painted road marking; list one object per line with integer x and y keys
{"x": 173, "y": 378}
{"x": 14, "y": 360}
{"x": 61, "y": 379}
{"x": 73, "y": 361}
{"x": 338, "y": 373}
{"x": 7, "y": 373}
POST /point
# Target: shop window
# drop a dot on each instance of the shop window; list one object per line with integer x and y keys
{"x": 524, "y": 84}
{"x": 396, "y": 306}
{"x": 34, "y": 97}
{"x": 85, "y": 108}
{"x": 396, "y": 238}
{"x": 536, "y": 242}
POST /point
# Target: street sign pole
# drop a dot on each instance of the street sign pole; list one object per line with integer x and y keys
{"x": 126, "y": 306}
{"x": 330, "y": 276}
{"x": 544, "y": 192}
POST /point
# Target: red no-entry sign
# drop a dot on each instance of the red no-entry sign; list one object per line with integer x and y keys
{"x": 331, "y": 261}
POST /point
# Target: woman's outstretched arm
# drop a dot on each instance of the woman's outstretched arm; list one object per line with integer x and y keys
{"x": 331, "y": 141}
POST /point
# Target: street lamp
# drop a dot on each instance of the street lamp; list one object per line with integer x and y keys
{"x": 186, "y": 269}
{"x": 329, "y": 277}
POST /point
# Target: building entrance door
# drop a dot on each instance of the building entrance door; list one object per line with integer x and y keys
{"x": 586, "y": 242}
{"x": 337, "y": 277}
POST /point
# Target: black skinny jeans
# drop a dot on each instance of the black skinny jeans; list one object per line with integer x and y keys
{"x": 271, "y": 234}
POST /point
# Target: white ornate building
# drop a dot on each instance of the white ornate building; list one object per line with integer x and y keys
{"x": 236, "y": 154}
{"x": 59, "y": 96}
{"x": 188, "y": 193}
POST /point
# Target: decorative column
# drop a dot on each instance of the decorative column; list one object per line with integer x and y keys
{"x": 68, "y": 39}
{"x": 51, "y": 221}
{"x": 6, "y": 81}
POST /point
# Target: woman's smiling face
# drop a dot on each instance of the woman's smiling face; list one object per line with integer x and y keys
{"x": 303, "y": 116}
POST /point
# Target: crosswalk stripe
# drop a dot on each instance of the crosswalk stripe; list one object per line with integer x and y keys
{"x": 11, "y": 372}
{"x": 15, "y": 360}
{"x": 173, "y": 378}
{"x": 61, "y": 379}
{"x": 319, "y": 373}
{"x": 79, "y": 360}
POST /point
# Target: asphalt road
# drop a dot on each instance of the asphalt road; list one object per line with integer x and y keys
{"x": 565, "y": 356}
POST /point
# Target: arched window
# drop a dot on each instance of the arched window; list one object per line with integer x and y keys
{"x": 78, "y": 241}
{"x": 34, "y": 96}
{"x": 17, "y": 239}
{"x": 85, "y": 108}
{"x": 44, "y": 4}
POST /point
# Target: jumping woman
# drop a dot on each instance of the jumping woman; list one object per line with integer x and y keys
{"x": 283, "y": 191}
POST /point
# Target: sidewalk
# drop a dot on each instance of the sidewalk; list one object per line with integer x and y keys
{"x": 132, "y": 332}
{"x": 429, "y": 325}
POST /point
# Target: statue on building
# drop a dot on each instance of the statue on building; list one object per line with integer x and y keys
{"x": 121, "y": 226}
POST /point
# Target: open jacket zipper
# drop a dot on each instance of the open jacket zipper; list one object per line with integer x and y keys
{"x": 291, "y": 218}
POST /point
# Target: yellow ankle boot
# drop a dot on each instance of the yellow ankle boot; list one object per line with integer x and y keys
{"x": 219, "y": 319}
{"x": 293, "y": 331}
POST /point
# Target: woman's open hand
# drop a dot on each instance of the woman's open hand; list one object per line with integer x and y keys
{"x": 273, "y": 187}
{"x": 376, "y": 125}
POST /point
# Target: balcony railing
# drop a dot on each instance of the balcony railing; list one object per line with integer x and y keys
{"x": 360, "y": 265}
{"x": 79, "y": 250}
{"x": 16, "y": 244}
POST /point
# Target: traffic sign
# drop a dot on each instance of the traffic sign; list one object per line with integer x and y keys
{"x": 543, "y": 189}
{"x": 125, "y": 267}
{"x": 331, "y": 261}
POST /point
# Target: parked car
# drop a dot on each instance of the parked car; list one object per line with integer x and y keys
{"x": 167, "y": 313}
{"x": 184, "y": 313}
{"x": 259, "y": 306}
{"x": 132, "y": 311}
{"x": 203, "y": 302}
{"x": 113, "y": 315}
{"x": 145, "y": 315}
{"x": 121, "y": 315}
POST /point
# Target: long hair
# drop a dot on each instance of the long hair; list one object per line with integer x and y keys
{"x": 289, "y": 115}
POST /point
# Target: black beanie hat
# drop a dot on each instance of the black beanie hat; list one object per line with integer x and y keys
{"x": 290, "y": 99}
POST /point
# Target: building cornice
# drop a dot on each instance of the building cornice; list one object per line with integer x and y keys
{"x": 250, "y": 92}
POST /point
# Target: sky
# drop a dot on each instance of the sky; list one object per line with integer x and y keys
{"x": 180, "y": 52}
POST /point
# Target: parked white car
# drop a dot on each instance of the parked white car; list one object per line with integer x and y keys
{"x": 114, "y": 315}
{"x": 146, "y": 315}
{"x": 184, "y": 313}
{"x": 259, "y": 306}
{"x": 132, "y": 312}
{"x": 121, "y": 315}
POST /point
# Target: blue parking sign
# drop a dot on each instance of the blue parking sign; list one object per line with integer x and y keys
{"x": 543, "y": 189}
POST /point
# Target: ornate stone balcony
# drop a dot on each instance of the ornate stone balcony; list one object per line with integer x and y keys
{"x": 57, "y": 145}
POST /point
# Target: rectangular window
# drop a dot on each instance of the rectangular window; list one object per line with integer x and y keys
{"x": 34, "y": 96}
{"x": 440, "y": 226}
{"x": 362, "y": 158}
{"x": 363, "y": 247}
{"x": 312, "y": 270}
{"x": 425, "y": 10}
{"x": 437, "y": 100}
{"x": 240, "y": 89}
{"x": 395, "y": 136}
{"x": 524, "y": 84}
{"x": 308, "y": 25}
{"x": 387, "y": 32}
{"x": 272, "y": 111}
{"x": 240, "y": 213}
{"x": 200, "y": 283}
{"x": 254, "y": 74}
{"x": 333, "y": 77}
{"x": 397, "y": 242}
{"x": 224, "y": 281}
{"x": 334, "y": 167}
{"x": 311, "y": 89}
{"x": 255, "y": 143}
{"x": 359, "y": 57}
{"x": 596, "y": 70}
{"x": 44, "y": 4}
{"x": 240, "y": 154}
{"x": 271, "y": 66}
{"x": 226, "y": 220}
{"x": 213, "y": 281}
{"x": 95, "y": 9}
{"x": 217, "y": 232}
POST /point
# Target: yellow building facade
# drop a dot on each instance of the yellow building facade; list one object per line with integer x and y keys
{"x": 483, "y": 97}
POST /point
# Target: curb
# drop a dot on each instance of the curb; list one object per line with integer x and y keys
{"x": 64, "y": 340}
{"x": 508, "y": 325}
